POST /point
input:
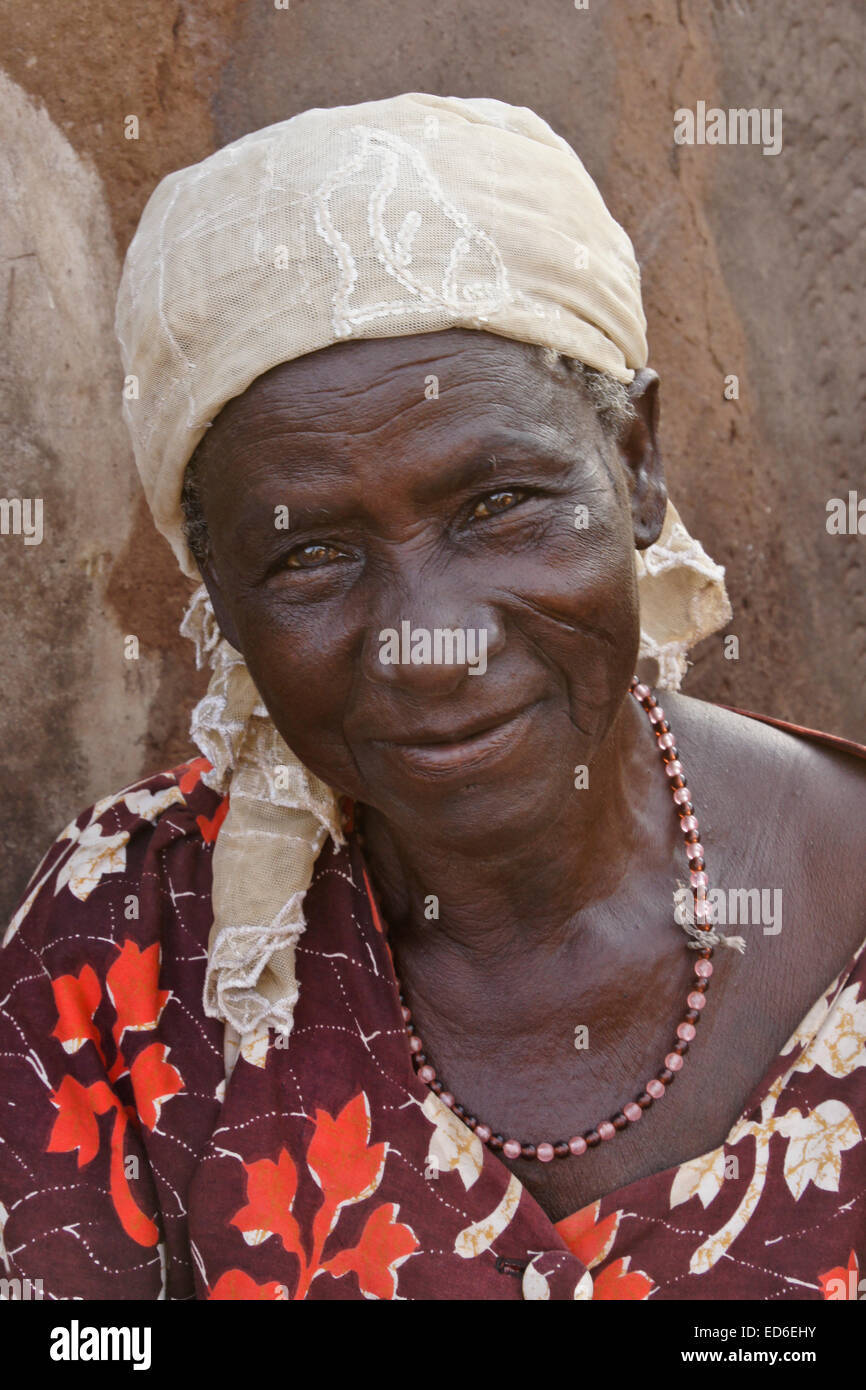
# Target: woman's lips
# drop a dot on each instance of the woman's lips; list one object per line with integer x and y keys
{"x": 462, "y": 755}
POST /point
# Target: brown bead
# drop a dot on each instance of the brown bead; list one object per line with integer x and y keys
{"x": 705, "y": 953}
{"x": 436, "y": 1087}
{"x": 459, "y": 1110}
{"x": 681, "y": 1046}
{"x": 644, "y": 1100}
{"x": 692, "y": 1016}
{"x": 496, "y": 1141}
{"x": 669, "y": 755}
{"x": 687, "y": 809}
{"x": 470, "y": 1121}
{"x": 561, "y": 1149}
{"x": 664, "y": 726}
{"x": 696, "y": 865}
{"x": 665, "y": 1076}
{"x": 527, "y": 1151}
{"x": 692, "y": 836}
{"x": 677, "y": 782}
{"x": 592, "y": 1136}
{"x": 649, "y": 702}
{"x": 420, "y": 1058}
{"x": 701, "y": 986}
{"x": 619, "y": 1120}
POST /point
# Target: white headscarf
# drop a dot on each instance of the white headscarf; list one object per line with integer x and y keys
{"x": 407, "y": 215}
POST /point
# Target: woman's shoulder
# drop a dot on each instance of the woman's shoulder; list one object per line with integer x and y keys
{"x": 122, "y": 859}
{"x": 787, "y": 805}
{"x": 825, "y": 772}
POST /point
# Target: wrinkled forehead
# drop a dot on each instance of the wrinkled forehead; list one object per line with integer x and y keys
{"x": 420, "y": 392}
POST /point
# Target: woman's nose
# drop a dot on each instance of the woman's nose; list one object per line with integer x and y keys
{"x": 435, "y": 649}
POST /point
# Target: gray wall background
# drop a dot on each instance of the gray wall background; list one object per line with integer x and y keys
{"x": 752, "y": 265}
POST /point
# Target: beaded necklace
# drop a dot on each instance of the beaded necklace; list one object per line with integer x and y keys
{"x": 700, "y": 934}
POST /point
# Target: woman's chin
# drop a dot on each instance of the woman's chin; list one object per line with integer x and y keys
{"x": 477, "y": 788}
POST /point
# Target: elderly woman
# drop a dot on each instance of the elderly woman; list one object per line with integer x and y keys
{"x": 395, "y": 991}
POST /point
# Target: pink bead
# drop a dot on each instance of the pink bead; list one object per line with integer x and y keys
{"x": 577, "y": 1145}
{"x": 694, "y": 850}
{"x": 674, "y": 769}
{"x": 407, "y": 1014}
{"x": 704, "y": 969}
{"x": 447, "y": 1098}
{"x": 484, "y": 1132}
{"x": 544, "y": 1153}
{"x": 698, "y": 879}
{"x": 605, "y": 1130}
{"x": 511, "y": 1148}
{"x": 666, "y": 740}
{"x": 655, "y": 1089}
{"x": 696, "y": 1000}
{"x": 674, "y": 1061}
{"x": 656, "y": 714}
{"x": 632, "y": 1112}
{"x": 415, "y": 1043}
{"x": 682, "y": 795}
{"x": 688, "y": 824}
{"x": 641, "y": 692}
{"x": 686, "y": 1031}
{"x": 427, "y": 1073}
{"x": 703, "y": 911}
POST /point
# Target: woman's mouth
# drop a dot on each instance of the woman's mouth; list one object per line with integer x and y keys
{"x": 457, "y": 753}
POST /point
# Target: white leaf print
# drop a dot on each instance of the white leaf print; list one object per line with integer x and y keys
{"x": 700, "y": 1177}
{"x": 452, "y": 1144}
{"x": 816, "y": 1143}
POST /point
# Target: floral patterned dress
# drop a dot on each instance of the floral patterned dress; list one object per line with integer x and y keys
{"x": 324, "y": 1169}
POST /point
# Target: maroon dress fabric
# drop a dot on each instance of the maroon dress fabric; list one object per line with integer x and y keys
{"x": 324, "y": 1169}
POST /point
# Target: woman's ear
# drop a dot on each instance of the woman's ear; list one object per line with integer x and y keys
{"x": 639, "y": 450}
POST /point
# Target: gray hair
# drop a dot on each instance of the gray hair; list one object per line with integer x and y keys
{"x": 608, "y": 397}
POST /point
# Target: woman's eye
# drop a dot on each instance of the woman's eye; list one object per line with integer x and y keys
{"x": 305, "y": 557}
{"x": 496, "y": 502}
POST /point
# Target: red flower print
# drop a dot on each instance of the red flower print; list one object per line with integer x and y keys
{"x": 843, "y": 1282}
{"x": 617, "y": 1282}
{"x": 271, "y": 1189}
{"x": 75, "y": 1126}
{"x": 338, "y": 1157}
{"x": 384, "y": 1245}
{"x": 237, "y": 1285}
{"x": 210, "y": 828}
{"x": 592, "y": 1240}
{"x": 191, "y": 773}
{"x": 132, "y": 984}
{"x": 76, "y": 1129}
{"x": 138, "y": 1227}
{"x": 348, "y": 1169}
{"x": 588, "y": 1238}
{"x": 77, "y": 999}
{"x": 153, "y": 1081}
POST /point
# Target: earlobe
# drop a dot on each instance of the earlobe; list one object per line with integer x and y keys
{"x": 641, "y": 457}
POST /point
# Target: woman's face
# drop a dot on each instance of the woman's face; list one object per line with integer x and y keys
{"x": 434, "y": 481}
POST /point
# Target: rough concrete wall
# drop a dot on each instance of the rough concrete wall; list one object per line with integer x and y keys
{"x": 76, "y": 710}
{"x": 751, "y": 266}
